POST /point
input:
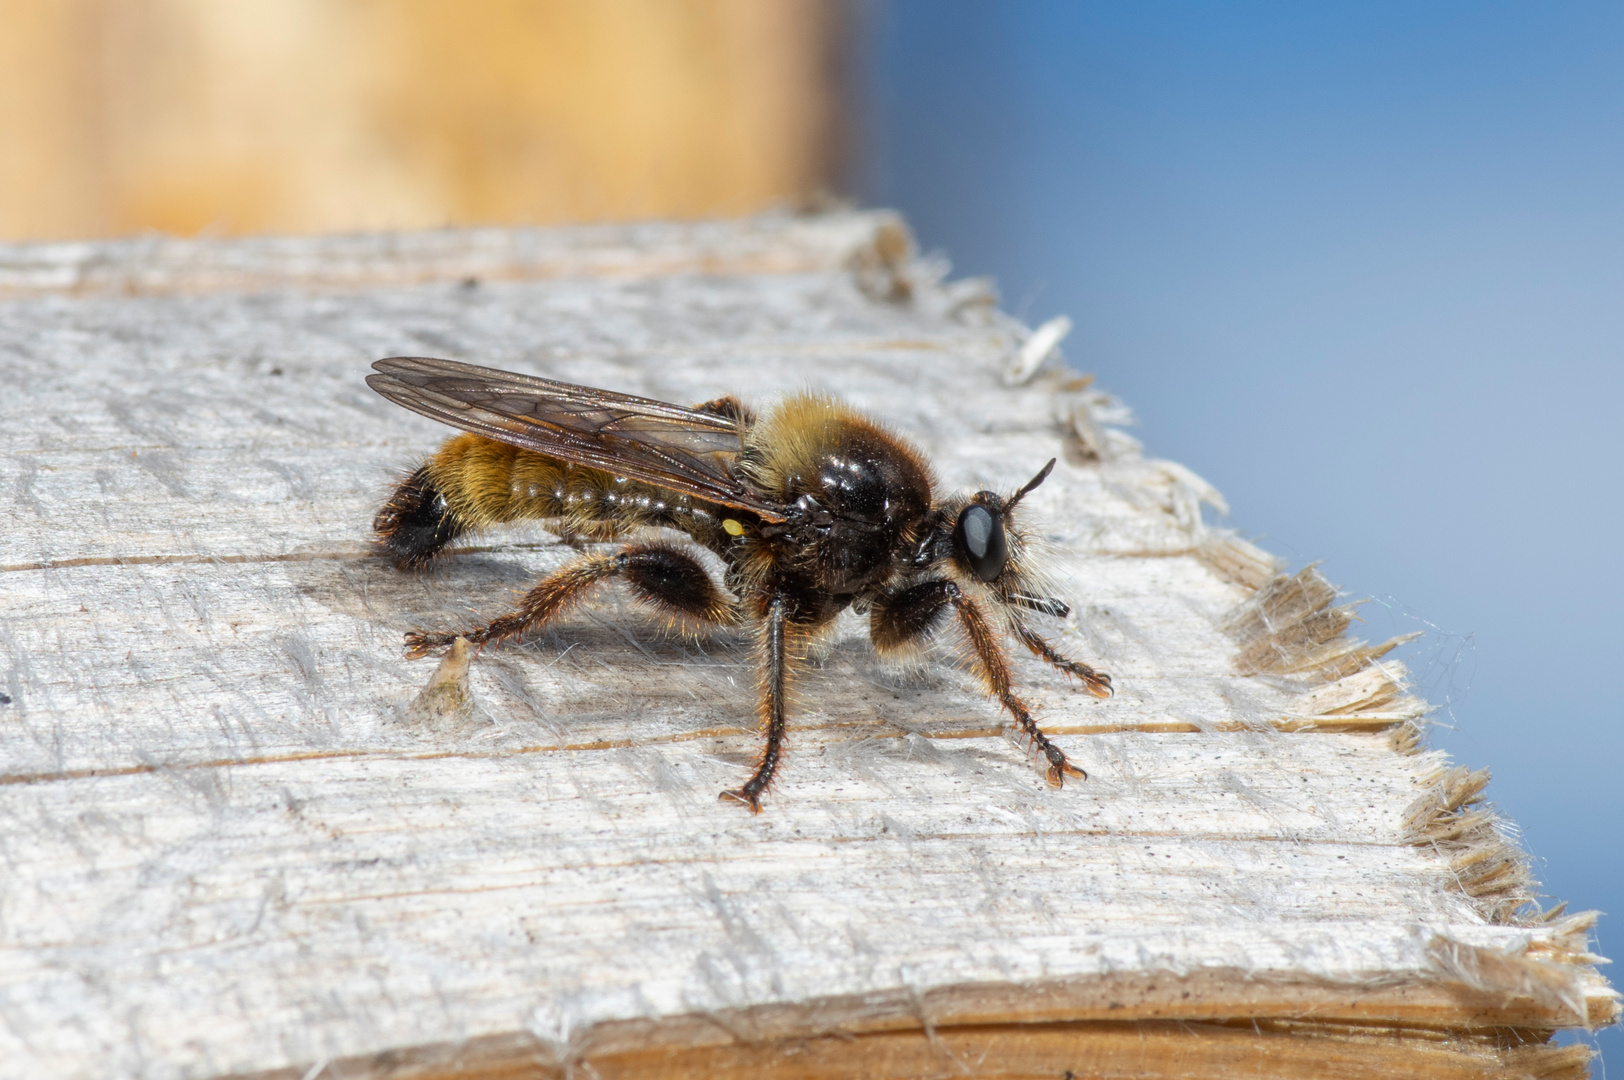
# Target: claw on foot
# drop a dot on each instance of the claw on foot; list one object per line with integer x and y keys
{"x": 1097, "y": 683}
{"x": 740, "y": 796}
{"x": 1058, "y": 773}
{"x": 419, "y": 645}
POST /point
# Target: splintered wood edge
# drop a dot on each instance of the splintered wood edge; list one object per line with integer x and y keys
{"x": 1215, "y": 1022}
{"x": 1292, "y": 626}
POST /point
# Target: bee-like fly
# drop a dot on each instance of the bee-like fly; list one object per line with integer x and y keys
{"x": 812, "y": 508}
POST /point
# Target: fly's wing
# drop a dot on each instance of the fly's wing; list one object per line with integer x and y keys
{"x": 638, "y": 438}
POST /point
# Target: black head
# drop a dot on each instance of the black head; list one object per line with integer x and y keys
{"x": 979, "y": 538}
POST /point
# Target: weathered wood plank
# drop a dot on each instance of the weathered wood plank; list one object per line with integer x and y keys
{"x": 231, "y": 844}
{"x": 165, "y": 264}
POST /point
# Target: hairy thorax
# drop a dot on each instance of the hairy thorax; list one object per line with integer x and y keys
{"x": 858, "y": 496}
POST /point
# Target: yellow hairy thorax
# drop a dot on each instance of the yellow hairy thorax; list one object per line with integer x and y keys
{"x": 787, "y": 447}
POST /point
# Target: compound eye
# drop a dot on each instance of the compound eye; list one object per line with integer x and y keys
{"x": 980, "y": 538}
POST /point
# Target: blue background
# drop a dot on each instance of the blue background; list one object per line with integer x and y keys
{"x": 1362, "y": 267}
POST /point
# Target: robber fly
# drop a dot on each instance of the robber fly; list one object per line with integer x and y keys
{"x": 812, "y": 508}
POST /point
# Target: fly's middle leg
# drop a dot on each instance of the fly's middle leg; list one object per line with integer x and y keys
{"x": 775, "y": 687}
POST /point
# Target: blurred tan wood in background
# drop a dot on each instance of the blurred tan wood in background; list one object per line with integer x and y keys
{"x": 244, "y": 116}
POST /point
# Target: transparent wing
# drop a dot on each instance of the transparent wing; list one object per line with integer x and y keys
{"x": 638, "y": 438}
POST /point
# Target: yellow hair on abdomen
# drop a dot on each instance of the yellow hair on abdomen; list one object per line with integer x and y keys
{"x": 486, "y": 482}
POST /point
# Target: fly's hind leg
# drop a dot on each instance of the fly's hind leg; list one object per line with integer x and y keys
{"x": 665, "y": 577}
{"x": 731, "y": 408}
{"x": 911, "y": 614}
{"x": 1097, "y": 683}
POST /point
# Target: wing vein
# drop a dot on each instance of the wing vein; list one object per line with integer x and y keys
{"x": 655, "y": 442}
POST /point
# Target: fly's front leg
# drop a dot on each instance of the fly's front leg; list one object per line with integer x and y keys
{"x": 1097, "y": 683}
{"x": 774, "y": 687}
{"x": 907, "y": 617}
{"x": 669, "y": 579}
{"x": 995, "y": 670}
{"x": 911, "y": 614}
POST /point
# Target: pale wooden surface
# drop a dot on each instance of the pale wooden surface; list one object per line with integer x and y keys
{"x": 232, "y": 845}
